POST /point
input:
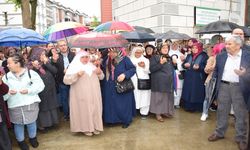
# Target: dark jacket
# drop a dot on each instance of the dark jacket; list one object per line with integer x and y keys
{"x": 60, "y": 67}
{"x": 3, "y": 109}
{"x": 162, "y": 75}
{"x": 244, "y": 80}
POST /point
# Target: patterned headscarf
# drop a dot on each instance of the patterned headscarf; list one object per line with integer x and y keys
{"x": 111, "y": 63}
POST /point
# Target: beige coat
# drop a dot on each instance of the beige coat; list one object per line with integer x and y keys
{"x": 85, "y": 102}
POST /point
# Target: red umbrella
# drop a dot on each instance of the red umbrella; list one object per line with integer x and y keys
{"x": 97, "y": 40}
{"x": 114, "y": 26}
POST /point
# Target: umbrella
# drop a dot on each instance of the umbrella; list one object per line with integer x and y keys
{"x": 97, "y": 40}
{"x": 143, "y": 29}
{"x": 172, "y": 35}
{"x": 246, "y": 31}
{"x": 21, "y": 37}
{"x": 136, "y": 36}
{"x": 210, "y": 92}
{"x": 114, "y": 26}
{"x": 64, "y": 29}
{"x": 5, "y": 28}
{"x": 217, "y": 27}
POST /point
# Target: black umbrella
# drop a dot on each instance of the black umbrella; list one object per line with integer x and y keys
{"x": 218, "y": 27}
{"x": 136, "y": 36}
{"x": 143, "y": 29}
{"x": 246, "y": 31}
{"x": 172, "y": 35}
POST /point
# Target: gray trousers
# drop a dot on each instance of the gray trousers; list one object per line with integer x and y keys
{"x": 231, "y": 94}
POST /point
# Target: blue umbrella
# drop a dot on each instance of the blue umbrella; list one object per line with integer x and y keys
{"x": 21, "y": 38}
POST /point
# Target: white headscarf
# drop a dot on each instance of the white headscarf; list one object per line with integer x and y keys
{"x": 135, "y": 60}
{"x": 76, "y": 65}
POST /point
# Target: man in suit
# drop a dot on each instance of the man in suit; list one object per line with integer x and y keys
{"x": 62, "y": 61}
{"x": 232, "y": 74}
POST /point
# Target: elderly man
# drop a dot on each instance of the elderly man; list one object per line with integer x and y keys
{"x": 62, "y": 62}
{"x": 232, "y": 73}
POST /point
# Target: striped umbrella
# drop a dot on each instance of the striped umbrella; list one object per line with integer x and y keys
{"x": 114, "y": 26}
{"x": 63, "y": 30}
{"x": 97, "y": 40}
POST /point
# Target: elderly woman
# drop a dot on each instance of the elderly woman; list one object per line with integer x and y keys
{"x": 193, "y": 92}
{"x": 22, "y": 98}
{"x": 162, "y": 84}
{"x": 142, "y": 97}
{"x": 178, "y": 58}
{"x": 48, "y": 108}
{"x": 85, "y": 95}
{"x": 149, "y": 51}
{"x": 118, "y": 107}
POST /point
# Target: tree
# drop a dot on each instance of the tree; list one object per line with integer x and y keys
{"x": 28, "y": 8}
{"x": 94, "y": 22}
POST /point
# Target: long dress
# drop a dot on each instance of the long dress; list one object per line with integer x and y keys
{"x": 193, "y": 92}
{"x": 85, "y": 95}
{"x": 48, "y": 107}
{"x": 85, "y": 102}
{"x": 142, "y": 97}
{"x": 118, "y": 108}
{"x": 162, "y": 89}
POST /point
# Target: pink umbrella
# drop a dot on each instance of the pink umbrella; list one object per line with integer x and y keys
{"x": 97, "y": 40}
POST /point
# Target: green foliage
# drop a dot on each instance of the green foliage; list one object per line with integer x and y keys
{"x": 16, "y": 2}
{"x": 95, "y": 22}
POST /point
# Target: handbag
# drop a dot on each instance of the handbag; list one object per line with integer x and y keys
{"x": 143, "y": 84}
{"x": 125, "y": 86}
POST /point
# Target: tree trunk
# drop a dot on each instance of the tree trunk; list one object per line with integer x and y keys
{"x": 25, "y": 6}
{"x": 33, "y": 13}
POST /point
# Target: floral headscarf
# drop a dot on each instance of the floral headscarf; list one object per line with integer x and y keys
{"x": 111, "y": 63}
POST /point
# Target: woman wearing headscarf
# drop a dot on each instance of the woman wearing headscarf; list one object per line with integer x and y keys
{"x": 5, "y": 143}
{"x": 178, "y": 59}
{"x": 118, "y": 107}
{"x": 149, "y": 51}
{"x": 48, "y": 107}
{"x": 142, "y": 97}
{"x": 193, "y": 92}
{"x": 162, "y": 83}
{"x": 85, "y": 95}
{"x": 188, "y": 49}
{"x": 22, "y": 98}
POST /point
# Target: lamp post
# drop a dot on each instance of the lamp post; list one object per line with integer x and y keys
{"x": 5, "y": 17}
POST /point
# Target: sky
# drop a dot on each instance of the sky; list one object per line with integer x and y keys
{"x": 89, "y": 7}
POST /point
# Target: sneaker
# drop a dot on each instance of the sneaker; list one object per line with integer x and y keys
{"x": 204, "y": 117}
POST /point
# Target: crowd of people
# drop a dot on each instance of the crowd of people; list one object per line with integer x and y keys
{"x": 37, "y": 82}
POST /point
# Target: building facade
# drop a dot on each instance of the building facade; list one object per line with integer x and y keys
{"x": 177, "y": 15}
{"x": 106, "y": 10}
{"x": 49, "y": 12}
